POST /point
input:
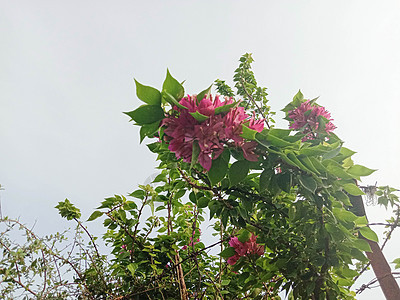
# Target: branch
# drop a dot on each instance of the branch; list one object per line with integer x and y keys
{"x": 368, "y": 285}
{"x": 395, "y": 224}
{"x": 254, "y": 102}
{"x": 90, "y": 236}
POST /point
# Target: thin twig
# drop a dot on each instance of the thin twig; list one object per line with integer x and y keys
{"x": 254, "y": 102}
{"x": 90, "y": 236}
{"x": 393, "y": 227}
{"x": 368, "y": 285}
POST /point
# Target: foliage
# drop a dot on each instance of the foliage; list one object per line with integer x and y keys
{"x": 280, "y": 203}
{"x": 32, "y": 267}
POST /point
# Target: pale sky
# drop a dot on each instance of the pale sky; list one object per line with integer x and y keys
{"x": 67, "y": 69}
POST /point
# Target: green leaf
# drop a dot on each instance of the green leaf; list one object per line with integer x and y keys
{"x": 358, "y": 170}
{"x": 345, "y": 282}
{"x": 68, "y": 210}
{"x": 160, "y": 208}
{"x": 357, "y": 254}
{"x": 305, "y": 160}
{"x": 153, "y": 146}
{"x": 225, "y": 282}
{"x": 352, "y": 189}
{"x": 248, "y": 133}
{"x": 297, "y": 100}
{"x": 160, "y": 178}
{"x": 284, "y": 181}
{"x": 339, "y": 195}
{"x": 308, "y": 183}
{"x": 225, "y": 108}
{"x": 297, "y": 162}
{"x": 360, "y": 221}
{"x": 362, "y": 245}
{"x": 228, "y": 252}
{"x": 238, "y": 171}
{"x": 138, "y": 194}
{"x": 199, "y": 117}
{"x": 173, "y": 87}
{"x": 298, "y": 97}
{"x": 146, "y": 114}
{"x": 148, "y": 94}
{"x": 280, "y": 133}
{"x": 397, "y": 262}
{"x": 317, "y": 164}
{"x": 149, "y": 130}
{"x": 132, "y": 268}
{"x": 278, "y": 142}
{"x": 192, "y": 197}
{"x": 322, "y": 124}
{"x": 172, "y": 100}
{"x": 203, "y": 202}
{"x": 338, "y": 171}
{"x": 347, "y": 163}
{"x": 343, "y": 214}
{"x": 346, "y": 152}
{"x": 96, "y": 214}
{"x": 244, "y": 236}
{"x": 218, "y": 170}
{"x": 332, "y": 153}
{"x": 265, "y": 179}
{"x": 314, "y": 150}
{"x": 202, "y": 94}
{"x": 336, "y": 233}
{"x": 131, "y": 204}
{"x": 368, "y": 233}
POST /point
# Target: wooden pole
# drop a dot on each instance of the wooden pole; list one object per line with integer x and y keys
{"x": 378, "y": 261}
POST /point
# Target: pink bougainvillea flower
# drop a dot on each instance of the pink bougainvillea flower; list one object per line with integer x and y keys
{"x": 206, "y": 107}
{"x": 212, "y": 134}
{"x": 257, "y": 125}
{"x": 233, "y": 123}
{"x": 248, "y": 150}
{"x": 238, "y": 245}
{"x": 305, "y": 119}
{"x": 233, "y": 259}
{"x": 249, "y": 247}
{"x": 253, "y": 247}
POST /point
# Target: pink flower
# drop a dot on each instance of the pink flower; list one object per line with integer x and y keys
{"x": 248, "y": 151}
{"x": 238, "y": 245}
{"x": 126, "y": 249}
{"x": 233, "y": 259}
{"x": 233, "y": 123}
{"x": 257, "y": 125}
{"x": 212, "y": 134}
{"x": 305, "y": 119}
{"x": 249, "y": 247}
{"x": 206, "y": 107}
{"x": 253, "y": 247}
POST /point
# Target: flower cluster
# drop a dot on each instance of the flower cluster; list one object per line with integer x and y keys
{"x": 182, "y": 129}
{"x": 244, "y": 249}
{"x": 305, "y": 118}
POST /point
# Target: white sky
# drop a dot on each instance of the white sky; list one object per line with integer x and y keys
{"x": 67, "y": 68}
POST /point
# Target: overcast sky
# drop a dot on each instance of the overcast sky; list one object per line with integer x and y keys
{"x": 67, "y": 69}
